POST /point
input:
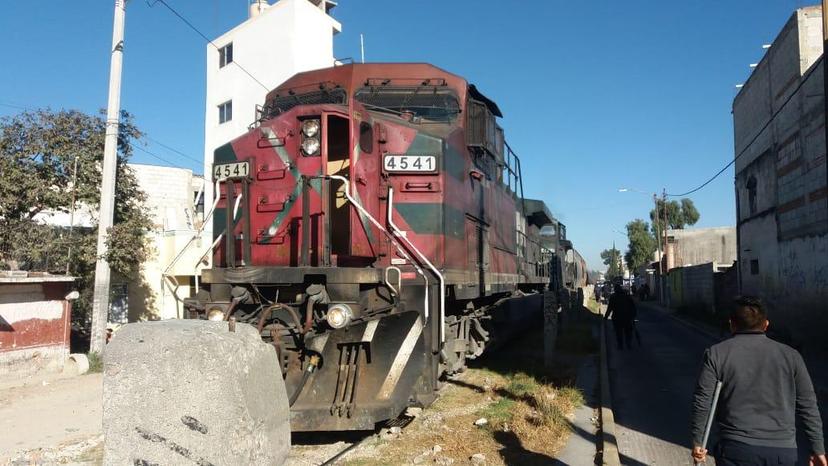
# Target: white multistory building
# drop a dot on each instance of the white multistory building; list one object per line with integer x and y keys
{"x": 274, "y": 43}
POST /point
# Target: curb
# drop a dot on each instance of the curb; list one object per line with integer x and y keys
{"x": 609, "y": 444}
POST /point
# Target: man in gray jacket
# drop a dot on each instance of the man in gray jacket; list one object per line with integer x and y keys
{"x": 765, "y": 390}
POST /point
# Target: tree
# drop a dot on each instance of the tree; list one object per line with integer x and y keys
{"x": 612, "y": 259}
{"x": 39, "y": 151}
{"x": 642, "y": 244}
{"x": 679, "y": 214}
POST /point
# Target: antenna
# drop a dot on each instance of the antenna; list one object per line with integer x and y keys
{"x": 362, "y": 47}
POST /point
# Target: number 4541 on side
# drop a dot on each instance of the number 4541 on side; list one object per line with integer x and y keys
{"x": 231, "y": 170}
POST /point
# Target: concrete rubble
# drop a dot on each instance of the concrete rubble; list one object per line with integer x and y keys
{"x": 192, "y": 391}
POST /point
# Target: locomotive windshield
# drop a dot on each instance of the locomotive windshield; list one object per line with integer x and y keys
{"x": 433, "y": 103}
{"x": 282, "y": 103}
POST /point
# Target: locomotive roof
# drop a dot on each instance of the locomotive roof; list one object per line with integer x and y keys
{"x": 355, "y": 75}
{"x": 538, "y": 213}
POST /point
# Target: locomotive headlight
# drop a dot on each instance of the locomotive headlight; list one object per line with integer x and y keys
{"x": 310, "y": 128}
{"x": 310, "y": 146}
{"x": 339, "y": 315}
{"x": 215, "y": 314}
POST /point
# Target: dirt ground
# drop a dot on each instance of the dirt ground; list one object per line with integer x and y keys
{"x": 51, "y": 421}
{"x": 527, "y": 411}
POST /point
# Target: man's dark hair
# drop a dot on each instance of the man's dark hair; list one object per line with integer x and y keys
{"x": 618, "y": 289}
{"x": 748, "y": 314}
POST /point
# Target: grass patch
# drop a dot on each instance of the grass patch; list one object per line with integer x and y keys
{"x": 499, "y": 412}
{"x": 522, "y": 385}
{"x": 95, "y": 362}
{"x": 536, "y": 411}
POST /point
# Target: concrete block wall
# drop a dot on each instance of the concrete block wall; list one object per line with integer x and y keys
{"x": 702, "y": 245}
{"x": 698, "y": 286}
{"x": 779, "y": 135}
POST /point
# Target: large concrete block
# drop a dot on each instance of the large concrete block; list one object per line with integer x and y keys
{"x": 192, "y": 392}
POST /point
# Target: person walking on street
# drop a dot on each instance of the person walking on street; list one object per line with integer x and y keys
{"x": 645, "y": 292}
{"x": 766, "y": 389}
{"x": 622, "y": 309}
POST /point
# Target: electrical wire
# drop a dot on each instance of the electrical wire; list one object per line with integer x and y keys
{"x": 708, "y": 181}
{"x": 756, "y": 136}
{"x": 152, "y": 3}
{"x": 135, "y": 146}
{"x": 173, "y": 150}
{"x": 5, "y": 104}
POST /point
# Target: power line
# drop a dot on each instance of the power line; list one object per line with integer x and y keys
{"x": 708, "y": 181}
{"x": 135, "y": 146}
{"x": 152, "y": 3}
{"x": 173, "y": 150}
{"x": 756, "y": 136}
{"x": 158, "y": 157}
{"x": 4, "y": 104}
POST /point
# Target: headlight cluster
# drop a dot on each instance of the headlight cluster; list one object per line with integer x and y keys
{"x": 310, "y": 137}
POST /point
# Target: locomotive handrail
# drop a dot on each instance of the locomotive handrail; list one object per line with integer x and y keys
{"x": 347, "y": 185}
{"x": 396, "y": 290}
{"x": 422, "y": 256}
{"x": 195, "y": 236}
{"x": 208, "y": 251}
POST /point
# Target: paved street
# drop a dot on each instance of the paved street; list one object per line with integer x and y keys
{"x": 652, "y": 387}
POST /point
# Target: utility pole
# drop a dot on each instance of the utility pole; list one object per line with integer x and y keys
{"x": 72, "y": 214}
{"x": 666, "y": 246}
{"x": 100, "y": 302}
{"x": 658, "y": 247}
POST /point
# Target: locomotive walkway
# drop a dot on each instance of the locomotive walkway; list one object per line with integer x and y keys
{"x": 652, "y": 387}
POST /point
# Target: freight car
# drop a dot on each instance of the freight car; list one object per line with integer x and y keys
{"x": 369, "y": 224}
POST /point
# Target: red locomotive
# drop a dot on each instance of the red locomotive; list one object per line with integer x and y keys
{"x": 370, "y": 224}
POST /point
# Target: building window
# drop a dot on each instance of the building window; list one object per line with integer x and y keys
{"x": 751, "y": 188}
{"x": 754, "y": 267}
{"x": 225, "y": 112}
{"x": 226, "y": 55}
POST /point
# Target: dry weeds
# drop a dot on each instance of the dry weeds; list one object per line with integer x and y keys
{"x": 527, "y": 423}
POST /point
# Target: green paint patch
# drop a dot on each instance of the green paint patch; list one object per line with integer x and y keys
{"x": 224, "y": 153}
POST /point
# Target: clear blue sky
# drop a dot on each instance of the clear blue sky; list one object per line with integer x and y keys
{"x": 596, "y": 95}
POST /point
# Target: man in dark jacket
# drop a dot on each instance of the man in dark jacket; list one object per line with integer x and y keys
{"x": 622, "y": 309}
{"x": 765, "y": 390}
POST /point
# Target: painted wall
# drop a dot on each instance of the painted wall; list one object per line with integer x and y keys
{"x": 781, "y": 193}
{"x": 170, "y": 202}
{"x": 34, "y": 324}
